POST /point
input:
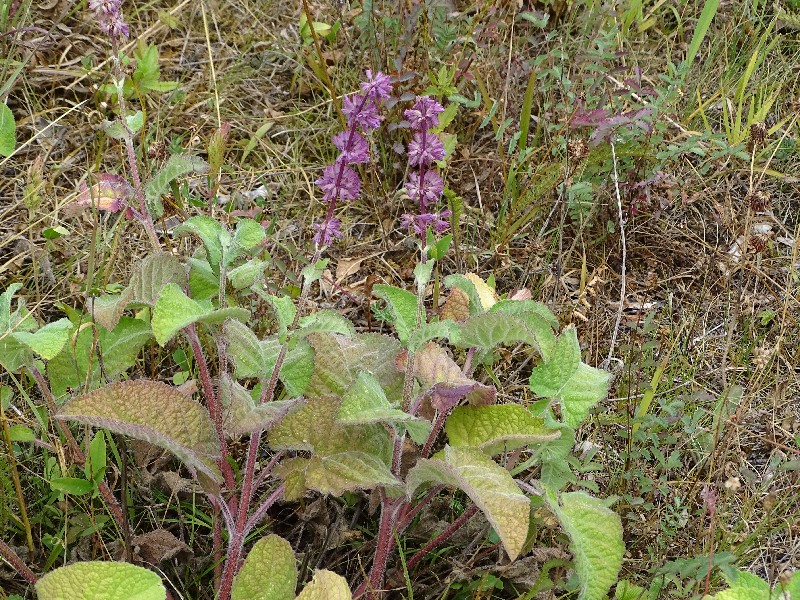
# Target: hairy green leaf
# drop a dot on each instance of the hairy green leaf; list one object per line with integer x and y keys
{"x": 325, "y": 321}
{"x": 96, "y": 580}
{"x": 365, "y": 402}
{"x": 47, "y": 341}
{"x": 548, "y": 378}
{"x": 242, "y": 414}
{"x": 490, "y": 487}
{"x": 268, "y": 573}
{"x": 177, "y": 165}
{"x": 8, "y": 131}
{"x": 403, "y": 305}
{"x": 248, "y": 235}
{"x": 154, "y": 412}
{"x": 210, "y": 231}
{"x": 247, "y": 274}
{"x": 583, "y": 390}
{"x": 496, "y": 428}
{"x": 596, "y": 535}
{"x": 426, "y": 332}
{"x": 174, "y": 310}
{"x": 326, "y": 585}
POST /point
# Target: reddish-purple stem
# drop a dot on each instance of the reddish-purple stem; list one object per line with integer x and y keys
{"x": 17, "y": 563}
{"x": 442, "y": 537}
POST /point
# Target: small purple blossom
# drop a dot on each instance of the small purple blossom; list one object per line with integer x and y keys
{"x": 424, "y": 148}
{"x": 429, "y": 192}
{"x": 424, "y": 114}
{"x": 378, "y": 86}
{"x": 354, "y": 147}
{"x": 109, "y": 17}
{"x": 339, "y": 182}
{"x": 361, "y": 111}
{"x": 420, "y": 223}
{"x": 327, "y": 231}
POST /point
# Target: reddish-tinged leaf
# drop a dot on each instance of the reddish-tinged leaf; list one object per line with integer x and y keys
{"x": 111, "y": 193}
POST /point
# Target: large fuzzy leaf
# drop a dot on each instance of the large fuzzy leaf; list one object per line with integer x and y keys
{"x": 211, "y": 233}
{"x": 445, "y": 381}
{"x": 335, "y": 474}
{"x": 596, "y": 535}
{"x": 242, "y": 414}
{"x": 154, "y": 412}
{"x": 575, "y": 385}
{"x": 496, "y": 428}
{"x": 326, "y": 585}
{"x": 46, "y": 341}
{"x": 490, "y": 487}
{"x": 97, "y": 580}
{"x": 339, "y": 359}
{"x": 120, "y": 349}
{"x": 489, "y": 330}
{"x": 403, "y": 305}
{"x": 268, "y": 573}
{"x": 365, "y": 402}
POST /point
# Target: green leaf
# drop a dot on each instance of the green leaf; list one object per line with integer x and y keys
{"x": 268, "y": 573}
{"x": 154, "y": 412}
{"x": 489, "y": 330}
{"x": 135, "y": 121}
{"x": 365, "y": 402}
{"x": 203, "y": 282}
{"x": 174, "y": 310}
{"x": 297, "y": 369}
{"x": 249, "y": 234}
{"x": 326, "y": 585}
{"x": 178, "y": 165}
{"x": 325, "y": 321}
{"x": 95, "y": 580}
{"x": 496, "y": 428}
{"x": 210, "y": 232}
{"x": 447, "y": 329}
{"x": 336, "y": 474}
{"x": 744, "y": 586}
{"x": 48, "y": 341}
{"x": 314, "y": 428}
{"x": 490, "y": 487}
{"x": 339, "y": 359}
{"x": 71, "y": 485}
{"x": 700, "y": 30}
{"x": 8, "y": 131}
{"x": 95, "y": 467}
{"x": 20, "y": 433}
{"x": 596, "y": 535}
{"x": 284, "y": 309}
{"x": 583, "y": 390}
{"x": 247, "y": 274}
{"x": 242, "y": 414}
{"x": 548, "y": 378}
{"x": 251, "y": 356}
{"x": 403, "y": 305}
{"x": 120, "y": 349}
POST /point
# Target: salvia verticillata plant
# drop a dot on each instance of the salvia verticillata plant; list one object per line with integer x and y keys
{"x": 403, "y": 416}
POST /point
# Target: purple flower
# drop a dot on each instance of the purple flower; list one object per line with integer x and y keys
{"x": 361, "y": 111}
{"x": 109, "y": 17}
{"x": 424, "y": 114}
{"x": 420, "y": 223}
{"x": 377, "y": 87}
{"x": 424, "y": 148}
{"x": 339, "y": 182}
{"x": 429, "y": 192}
{"x": 353, "y": 145}
{"x": 327, "y": 231}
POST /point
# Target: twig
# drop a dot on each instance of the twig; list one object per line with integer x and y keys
{"x": 623, "y": 268}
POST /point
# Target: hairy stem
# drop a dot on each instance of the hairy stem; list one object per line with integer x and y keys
{"x": 442, "y": 537}
{"x": 13, "y": 559}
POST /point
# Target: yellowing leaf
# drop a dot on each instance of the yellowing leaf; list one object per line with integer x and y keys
{"x": 486, "y": 294}
{"x": 96, "y": 580}
{"x": 269, "y": 573}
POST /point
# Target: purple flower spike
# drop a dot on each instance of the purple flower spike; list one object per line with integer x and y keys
{"x": 109, "y": 17}
{"x": 429, "y": 192}
{"x": 356, "y": 152}
{"x": 361, "y": 111}
{"x": 420, "y": 223}
{"x": 378, "y": 86}
{"x": 327, "y": 231}
{"x": 424, "y": 114}
{"x": 424, "y": 148}
{"x": 339, "y": 182}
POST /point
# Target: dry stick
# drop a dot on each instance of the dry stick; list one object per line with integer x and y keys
{"x": 623, "y": 268}
{"x": 23, "y": 511}
{"x": 17, "y": 563}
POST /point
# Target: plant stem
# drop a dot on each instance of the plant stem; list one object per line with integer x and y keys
{"x": 384, "y": 545}
{"x": 212, "y": 400}
{"x": 17, "y": 563}
{"x": 23, "y": 511}
{"x": 442, "y": 537}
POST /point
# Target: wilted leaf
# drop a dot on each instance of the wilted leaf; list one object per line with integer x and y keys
{"x": 268, "y": 573}
{"x": 110, "y": 193}
{"x": 95, "y": 580}
{"x": 487, "y": 295}
{"x": 159, "y": 545}
{"x": 456, "y": 307}
{"x": 496, "y": 428}
{"x": 445, "y": 381}
{"x": 154, "y": 412}
{"x": 490, "y": 487}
